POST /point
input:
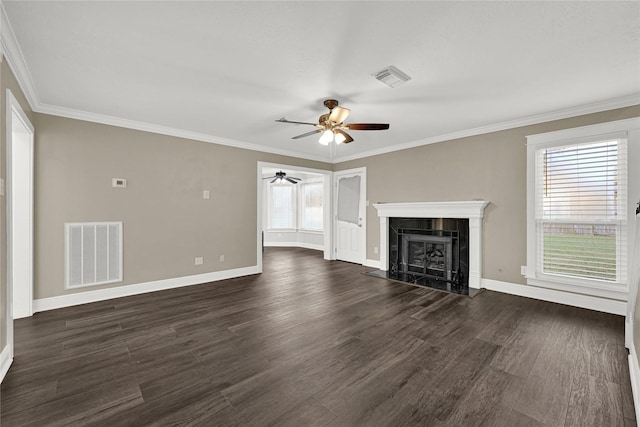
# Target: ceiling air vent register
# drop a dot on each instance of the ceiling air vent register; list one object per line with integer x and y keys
{"x": 391, "y": 76}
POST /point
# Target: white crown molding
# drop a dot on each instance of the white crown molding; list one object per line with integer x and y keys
{"x": 165, "y": 130}
{"x": 16, "y": 61}
{"x": 596, "y": 107}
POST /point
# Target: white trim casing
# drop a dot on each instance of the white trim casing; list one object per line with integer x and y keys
{"x": 373, "y": 263}
{"x": 6, "y": 359}
{"x": 471, "y": 210}
{"x": 634, "y": 374}
{"x": 51, "y": 303}
{"x": 535, "y": 142}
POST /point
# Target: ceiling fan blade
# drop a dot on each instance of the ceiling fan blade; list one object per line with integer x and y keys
{"x": 269, "y": 177}
{"x": 366, "y": 126}
{"x": 297, "y": 179}
{"x": 291, "y": 180}
{"x": 274, "y": 180}
{"x": 339, "y": 114}
{"x": 347, "y": 137}
{"x": 308, "y": 133}
{"x": 283, "y": 120}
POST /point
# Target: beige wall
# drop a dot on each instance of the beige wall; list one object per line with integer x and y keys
{"x": 490, "y": 167}
{"x": 166, "y": 222}
{"x": 7, "y": 81}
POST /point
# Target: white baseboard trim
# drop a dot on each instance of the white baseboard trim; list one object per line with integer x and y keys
{"x": 294, "y": 245}
{"x": 311, "y": 246}
{"x": 78, "y": 298}
{"x": 560, "y": 297}
{"x": 373, "y": 263}
{"x": 634, "y": 374}
{"x": 6, "y": 359}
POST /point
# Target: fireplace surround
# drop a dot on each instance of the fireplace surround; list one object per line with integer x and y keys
{"x": 435, "y": 245}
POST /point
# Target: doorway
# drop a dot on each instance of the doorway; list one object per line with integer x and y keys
{"x": 351, "y": 218}
{"x": 316, "y": 177}
{"x": 20, "y": 148}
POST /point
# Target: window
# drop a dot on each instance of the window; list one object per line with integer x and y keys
{"x": 311, "y": 202}
{"x": 580, "y": 210}
{"x": 577, "y": 208}
{"x": 282, "y": 206}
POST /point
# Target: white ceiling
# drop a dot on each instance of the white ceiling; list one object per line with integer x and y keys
{"x": 225, "y": 71}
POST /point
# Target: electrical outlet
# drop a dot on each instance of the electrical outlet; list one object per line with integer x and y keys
{"x": 375, "y": 249}
{"x": 199, "y": 260}
{"x": 523, "y": 270}
{"x": 206, "y": 194}
{"x": 221, "y": 258}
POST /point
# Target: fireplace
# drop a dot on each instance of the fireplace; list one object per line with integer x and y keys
{"x": 426, "y": 254}
{"x": 430, "y": 251}
{"x": 435, "y": 244}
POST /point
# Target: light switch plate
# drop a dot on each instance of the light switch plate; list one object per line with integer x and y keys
{"x": 119, "y": 183}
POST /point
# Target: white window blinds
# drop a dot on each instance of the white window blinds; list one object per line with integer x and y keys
{"x": 282, "y": 206}
{"x": 581, "y": 201}
{"x": 312, "y": 211}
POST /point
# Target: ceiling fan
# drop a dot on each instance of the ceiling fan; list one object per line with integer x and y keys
{"x": 282, "y": 176}
{"x": 333, "y": 127}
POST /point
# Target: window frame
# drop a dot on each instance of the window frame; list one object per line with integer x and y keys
{"x": 612, "y": 130}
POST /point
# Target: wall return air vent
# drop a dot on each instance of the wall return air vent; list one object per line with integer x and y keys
{"x": 391, "y": 76}
{"x": 93, "y": 253}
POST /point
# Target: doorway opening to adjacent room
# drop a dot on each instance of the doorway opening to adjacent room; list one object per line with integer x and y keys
{"x": 295, "y": 215}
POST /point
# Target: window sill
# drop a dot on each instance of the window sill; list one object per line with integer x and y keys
{"x": 311, "y": 231}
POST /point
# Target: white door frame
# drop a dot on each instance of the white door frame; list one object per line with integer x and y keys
{"x": 18, "y": 122}
{"x": 329, "y": 253}
{"x": 363, "y": 188}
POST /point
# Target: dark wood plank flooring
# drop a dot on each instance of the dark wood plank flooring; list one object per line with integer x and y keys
{"x": 317, "y": 343}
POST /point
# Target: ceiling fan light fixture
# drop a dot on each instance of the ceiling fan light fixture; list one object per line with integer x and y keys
{"x": 326, "y": 138}
{"x": 340, "y": 138}
{"x": 391, "y": 76}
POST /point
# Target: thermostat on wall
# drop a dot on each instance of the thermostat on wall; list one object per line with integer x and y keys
{"x": 119, "y": 183}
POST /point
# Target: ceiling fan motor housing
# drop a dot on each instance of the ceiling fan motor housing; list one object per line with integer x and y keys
{"x": 331, "y": 104}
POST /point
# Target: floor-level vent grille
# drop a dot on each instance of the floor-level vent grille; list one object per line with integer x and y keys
{"x": 93, "y": 253}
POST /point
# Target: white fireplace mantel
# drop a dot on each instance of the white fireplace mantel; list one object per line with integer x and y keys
{"x": 471, "y": 210}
